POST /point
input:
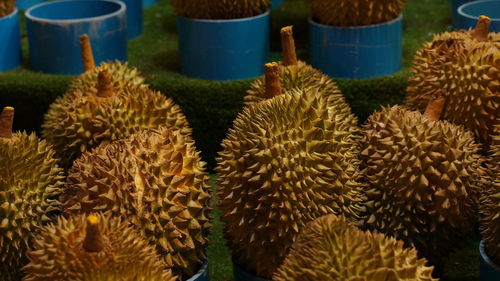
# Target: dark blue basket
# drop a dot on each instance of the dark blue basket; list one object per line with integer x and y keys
{"x": 10, "y": 46}
{"x": 54, "y": 30}
{"x": 469, "y": 14}
{"x": 134, "y": 18}
{"x": 223, "y": 49}
{"x": 488, "y": 270}
{"x": 357, "y": 52}
{"x": 202, "y": 274}
{"x": 26, "y": 4}
{"x": 455, "y": 19}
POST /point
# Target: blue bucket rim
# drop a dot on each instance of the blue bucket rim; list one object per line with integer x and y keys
{"x": 463, "y": 6}
{"x": 485, "y": 257}
{"x": 313, "y": 22}
{"x": 226, "y": 20}
{"x": 28, "y": 15}
{"x": 11, "y": 15}
{"x": 203, "y": 269}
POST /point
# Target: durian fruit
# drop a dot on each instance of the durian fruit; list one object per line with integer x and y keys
{"x": 29, "y": 186}
{"x": 466, "y": 64}
{"x": 122, "y": 76}
{"x": 285, "y": 161}
{"x": 332, "y": 249}
{"x": 156, "y": 180}
{"x": 297, "y": 74}
{"x": 86, "y": 117}
{"x": 215, "y": 9}
{"x": 6, "y": 7}
{"x": 97, "y": 247}
{"x": 355, "y": 12}
{"x": 423, "y": 178}
{"x": 490, "y": 204}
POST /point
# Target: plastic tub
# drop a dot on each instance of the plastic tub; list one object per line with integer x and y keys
{"x": 134, "y": 17}
{"x": 455, "y": 19}
{"x": 488, "y": 270}
{"x": 54, "y": 30}
{"x": 10, "y": 48}
{"x": 202, "y": 274}
{"x": 469, "y": 14}
{"x": 357, "y": 52}
{"x": 223, "y": 49}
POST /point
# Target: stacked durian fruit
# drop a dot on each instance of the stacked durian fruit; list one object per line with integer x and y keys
{"x": 134, "y": 205}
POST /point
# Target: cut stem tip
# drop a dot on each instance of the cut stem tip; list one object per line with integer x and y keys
{"x": 272, "y": 76}
{"x": 93, "y": 239}
{"x": 288, "y": 46}
{"x": 104, "y": 84}
{"x": 86, "y": 50}
{"x": 6, "y": 121}
{"x": 482, "y": 29}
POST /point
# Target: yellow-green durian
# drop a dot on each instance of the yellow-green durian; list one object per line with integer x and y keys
{"x": 156, "y": 180}
{"x": 30, "y": 183}
{"x": 466, "y": 65}
{"x": 423, "y": 178}
{"x": 97, "y": 247}
{"x": 297, "y": 74}
{"x": 285, "y": 161}
{"x": 215, "y": 9}
{"x": 332, "y": 249}
{"x": 86, "y": 117}
{"x": 490, "y": 204}
{"x": 355, "y": 12}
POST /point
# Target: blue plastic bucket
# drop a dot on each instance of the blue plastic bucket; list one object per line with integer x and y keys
{"x": 488, "y": 270}
{"x": 26, "y": 4}
{"x": 455, "y": 19}
{"x": 357, "y": 52}
{"x": 10, "y": 46}
{"x": 241, "y": 275}
{"x": 148, "y": 3}
{"x": 54, "y": 30}
{"x": 223, "y": 50}
{"x": 201, "y": 275}
{"x": 134, "y": 18}
{"x": 275, "y": 4}
{"x": 469, "y": 14}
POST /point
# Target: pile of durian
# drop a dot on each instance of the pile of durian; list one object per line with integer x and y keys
{"x": 116, "y": 190}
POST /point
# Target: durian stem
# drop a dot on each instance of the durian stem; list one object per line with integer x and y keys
{"x": 86, "y": 50}
{"x": 273, "y": 86}
{"x": 6, "y": 120}
{"x": 104, "y": 84}
{"x": 288, "y": 46}
{"x": 93, "y": 239}
{"x": 482, "y": 29}
{"x": 435, "y": 107}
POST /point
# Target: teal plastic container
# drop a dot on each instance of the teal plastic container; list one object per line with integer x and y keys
{"x": 357, "y": 52}
{"x": 134, "y": 18}
{"x": 201, "y": 275}
{"x": 223, "y": 50}
{"x": 10, "y": 41}
{"x": 469, "y": 14}
{"x": 488, "y": 270}
{"x": 241, "y": 275}
{"x": 26, "y": 4}
{"x": 455, "y": 19}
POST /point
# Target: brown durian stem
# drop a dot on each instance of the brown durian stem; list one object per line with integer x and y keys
{"x": 86, "y": 50}
{"x": 273, "y": 86}
{"x": 435, "y": 107}
{"x": 288, "y": 46}
{"x": 93, "y": 241}
{"x": 104, "y": 84}
{"x": 6, "y": 120}
{"x": 482, "y": 29}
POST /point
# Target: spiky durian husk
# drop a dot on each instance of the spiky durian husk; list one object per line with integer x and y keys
{"x": 490, "y": 204}
{"x": 58, "y": 253}
{"x": 123, "y": 77}
{"x": 302, "y": 76}
{"x": 6, "y": 7}
{"x": 423, "y": 177}
{"x": 80, "y": 121}
{"x": 285, "y": 162}
{"x": 468, "y": 72}
{"x": 355, "y": 12}
{"x": 29, "y": 186}
{"x": 157, "y": 180}
{"x": 215, "y": 9}
{"x": 332, "y": 249}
